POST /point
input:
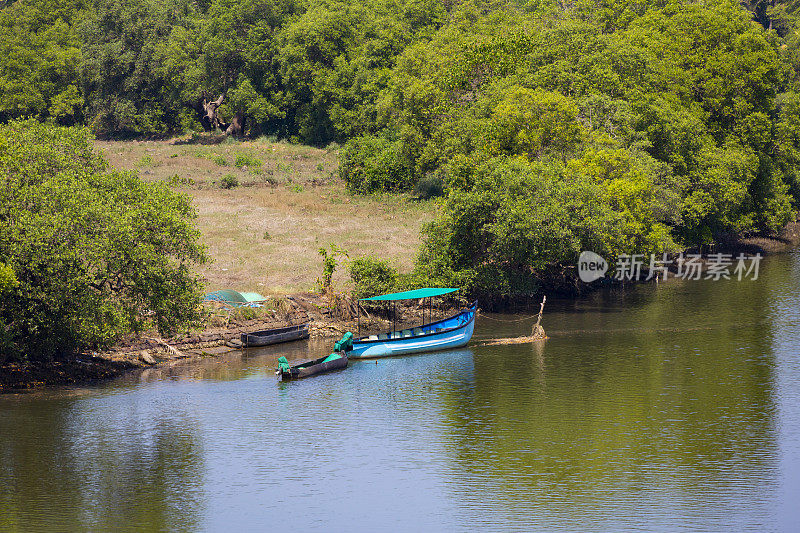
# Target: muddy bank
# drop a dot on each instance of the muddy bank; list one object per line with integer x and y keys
{"x": 787, "y": 239}
{"x": 328, "y": 318}
{"x": 83, "y": 369}
{"x": 148, "y": 350}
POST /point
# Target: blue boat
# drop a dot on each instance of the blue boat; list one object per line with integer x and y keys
{"x": 452, "y": 332}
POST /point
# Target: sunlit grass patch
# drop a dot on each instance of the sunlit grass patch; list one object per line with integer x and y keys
{"x": 246, "y": 160}
{"x": 264, "y": 234}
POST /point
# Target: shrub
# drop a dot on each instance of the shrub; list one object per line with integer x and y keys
{"x": 430, "y": 186}
{"x": 330, "y": 260}
{"x": 177, "y": 179}
{"x": 229, "y": 181}
{"x": 372, "y": 164}
{"x": 248, "y": 312}
{"x": 245, "y": 160}
{"x": 372, "y": 276}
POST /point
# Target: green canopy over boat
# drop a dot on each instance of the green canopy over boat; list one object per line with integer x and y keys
{"x": 410, "y": 295}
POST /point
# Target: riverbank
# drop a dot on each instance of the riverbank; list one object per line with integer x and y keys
{"x": 264, "y": 231}
{"x": 785, "y": 240}
{"x": 327, "y": 317}
{"x": 149, "y": 349}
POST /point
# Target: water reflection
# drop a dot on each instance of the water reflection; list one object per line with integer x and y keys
{"x": 109, "y": 462}
{"x": 664, "y": 398}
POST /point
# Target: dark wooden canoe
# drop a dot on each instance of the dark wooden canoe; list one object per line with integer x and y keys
{"x": 317, "y": 366}
{"x": 275, "y": 336}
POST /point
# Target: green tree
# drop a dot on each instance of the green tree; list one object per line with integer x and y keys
{"x": 524, "y": 223}
{"x": 229, "y": 49}
{"x": 122, "y": 70}
{"x": 533, "y": 122}
{"x": 96, "y": 253}
{"x": 39, "y": 54}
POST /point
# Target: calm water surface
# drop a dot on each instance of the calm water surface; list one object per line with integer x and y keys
{"x": 669, "y": 408}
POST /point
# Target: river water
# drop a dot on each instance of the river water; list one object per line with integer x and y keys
{"x": 655, "y": 408}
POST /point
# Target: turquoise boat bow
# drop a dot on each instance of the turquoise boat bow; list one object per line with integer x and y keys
{"x": 452, "y": 332}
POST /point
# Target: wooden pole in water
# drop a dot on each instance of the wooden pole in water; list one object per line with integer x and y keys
{"x": 538, "y": 331}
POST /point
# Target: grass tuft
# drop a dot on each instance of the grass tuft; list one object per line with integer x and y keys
{"x": 246, "y": 160}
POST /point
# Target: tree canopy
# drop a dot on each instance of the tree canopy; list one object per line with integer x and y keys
{"x": 86, "y": 253}
{"x": 676, "y": 122}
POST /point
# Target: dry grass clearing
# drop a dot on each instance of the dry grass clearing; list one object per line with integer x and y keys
{"x": 264, "y": 234}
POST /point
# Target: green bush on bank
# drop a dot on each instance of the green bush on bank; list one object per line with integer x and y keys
{"x": 372, "y": 276}
{"x": 518, "y": 221}
{"x": 93, "y": 253}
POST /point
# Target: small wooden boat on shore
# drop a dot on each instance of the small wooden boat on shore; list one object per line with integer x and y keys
{"x": 317, "y": 366}
{"x": 452, "y": 332}
{"x": 275, "y": 336}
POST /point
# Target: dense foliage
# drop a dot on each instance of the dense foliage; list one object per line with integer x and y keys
{"x": 86, "y": 253}
{"x": 549, "y": 127}
{"x": 372, "y": 276}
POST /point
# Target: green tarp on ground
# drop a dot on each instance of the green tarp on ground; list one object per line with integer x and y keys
{"x": 234, "y": 298}
{"x": 410, "y": 295}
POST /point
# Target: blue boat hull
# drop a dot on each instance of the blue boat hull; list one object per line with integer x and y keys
{"x": 452, "y": 332}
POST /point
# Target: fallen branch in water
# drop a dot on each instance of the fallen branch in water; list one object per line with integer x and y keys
{"x": 512, "y": 340}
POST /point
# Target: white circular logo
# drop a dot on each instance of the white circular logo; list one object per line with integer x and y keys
{"x": 591, "y": 267}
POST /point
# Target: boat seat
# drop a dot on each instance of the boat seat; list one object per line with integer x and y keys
{"x": 372, "y": 338}
{"x": 417, "y": 331}
{"x": 406, "y": 333}
{"x": 383, "y": 336}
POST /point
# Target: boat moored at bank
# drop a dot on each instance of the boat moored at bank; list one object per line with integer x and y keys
{"x": 448, "y": 333}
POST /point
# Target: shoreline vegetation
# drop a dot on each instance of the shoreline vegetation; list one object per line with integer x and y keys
{"x": 473, "y": 144}
{"x": 329, "y": 317}
{"x": 222, "y": 330}
{"x": 154, "y": 161}
{"x": 237, "y": 224}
